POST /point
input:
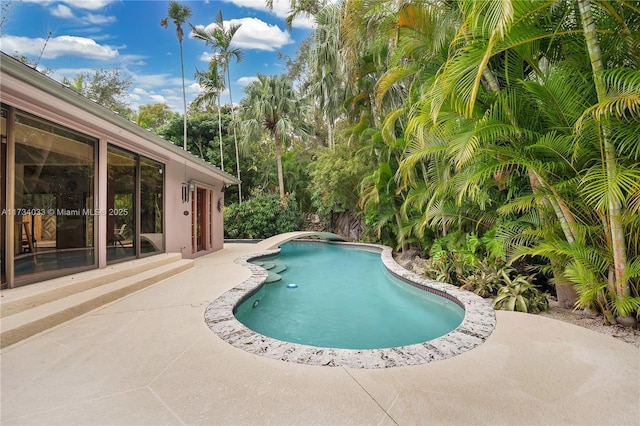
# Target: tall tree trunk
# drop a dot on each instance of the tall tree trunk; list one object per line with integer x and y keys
{"x": 235, "y": 137}
{"x": 276, "y": 137}
{"x": 329, "y": 133}
{"x": 563, "y": 214}
{"x": 220, "y": 133}
{"x": 618, "y": 243}
{"x": 184, "y": 101}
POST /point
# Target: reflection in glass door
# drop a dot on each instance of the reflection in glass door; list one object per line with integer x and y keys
{"x": 121, "y": 202}
{"x": 151, "y": 206}
{"x": 54, "y": 194}
{"x": 135, "y": 205}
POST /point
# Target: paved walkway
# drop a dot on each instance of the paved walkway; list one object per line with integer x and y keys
{"x": 149, "y": 359}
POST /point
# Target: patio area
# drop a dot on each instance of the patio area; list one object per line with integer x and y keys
{"x": 150, "y": 359}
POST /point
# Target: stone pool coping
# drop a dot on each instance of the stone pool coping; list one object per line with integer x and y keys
{"x": 478, "y": 324}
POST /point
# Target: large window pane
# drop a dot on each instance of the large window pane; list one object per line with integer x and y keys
{"x": 151, "y": 206}
{"x": 121, "y": 190}
{"x": 54, "y": 197}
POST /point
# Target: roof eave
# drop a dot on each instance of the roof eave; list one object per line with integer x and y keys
{"x": 23, "y": 72}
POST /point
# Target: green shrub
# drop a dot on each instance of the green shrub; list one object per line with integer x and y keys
{"x": 486, "y": 278}
{"x": 262, "y": 217}
{"x": 478, "y": 265}
{"x": 518, "y": 294}
{"x": 457, "y": 258}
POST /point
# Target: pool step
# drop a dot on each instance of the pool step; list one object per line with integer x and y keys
{"x": 273, "y": 270}
{"x": 272, "y": 277}
{"x": 278, "y": 268}
{"x": 34, "y": 308}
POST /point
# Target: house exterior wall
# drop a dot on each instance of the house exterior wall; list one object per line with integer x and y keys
{"x": 31, "y": 93}
{"x": 178, "y": 229}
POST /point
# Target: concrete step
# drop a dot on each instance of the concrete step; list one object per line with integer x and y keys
{"x": 26, "y": 323}
{"x": 19, "y": 299}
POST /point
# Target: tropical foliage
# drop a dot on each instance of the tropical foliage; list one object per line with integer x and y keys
{"x": 212, "y": 83}
{"x": 518, "y": 118}
{"x": 271, "y": 110}
{"x": 262, "y": 217}
{"x": 153, "y": 116}
{"x": 107, "y": 88}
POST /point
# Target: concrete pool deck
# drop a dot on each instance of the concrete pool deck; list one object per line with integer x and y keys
{"x": 151, "y": 359}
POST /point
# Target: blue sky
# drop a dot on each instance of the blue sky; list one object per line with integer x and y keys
{"x": 126, "y": 34}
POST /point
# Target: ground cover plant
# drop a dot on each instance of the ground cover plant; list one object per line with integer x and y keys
{"x": 479, "y": 264}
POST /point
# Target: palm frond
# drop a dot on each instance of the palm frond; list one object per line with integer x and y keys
{"x": 601, "y": 187}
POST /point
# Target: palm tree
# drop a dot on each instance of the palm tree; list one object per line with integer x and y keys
{"x": 213, "y": 83}
{"x": 327, "y": 65}
{"x": 610, "y": 160}
{"x": 271, "y": 107}
{"x": 502, "y": 103}
{"x": 220, "y": 40}
{"x": 179, "y": 14}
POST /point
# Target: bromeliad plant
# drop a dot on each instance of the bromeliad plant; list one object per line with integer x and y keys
{"x": 486, "y": 279}
{"x": 518, "y": 294}
{"x": 478, "y": 265}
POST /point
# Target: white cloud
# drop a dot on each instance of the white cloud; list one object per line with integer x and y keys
{"x": 281, "y": 9}
{"x": 252, "y": 34}
{"x": 136, "y": 60}
{"x": 193, "y": 88}
{"x": 256, "y": 34}
{"x": 160, "y": 88}
{"x": 76, "y": 4}
{"x": 205, "y": 57}
{"x": 57, "y": 46}
{"x": 91, "y": 18}
{"x": 62, "y": 11}
{"x": 65, "y": 11}
{"x": 148, "y": 81}
{"x": 245, "y": 81}
{"x": 89, "y": 4}
{"x": 159, "y": 99}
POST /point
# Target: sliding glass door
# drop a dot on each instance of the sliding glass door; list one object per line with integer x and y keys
{"x": 121, "y": 204}
{"x": 53, "y": 198}
{"x": 135, "y": 210}
{"x": 151, "y": 206}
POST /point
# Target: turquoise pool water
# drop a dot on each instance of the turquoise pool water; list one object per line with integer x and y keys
{"x": 345, "y": 298}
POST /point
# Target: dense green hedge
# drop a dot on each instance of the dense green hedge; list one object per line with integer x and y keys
{"x": 261, "y": 217}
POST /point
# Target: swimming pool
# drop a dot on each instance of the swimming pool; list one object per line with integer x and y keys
{"x": 475, "y": 328}
{"x": 340, "y": 296}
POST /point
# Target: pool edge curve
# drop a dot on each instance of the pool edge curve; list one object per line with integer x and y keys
{"x": 478, "y": 324}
